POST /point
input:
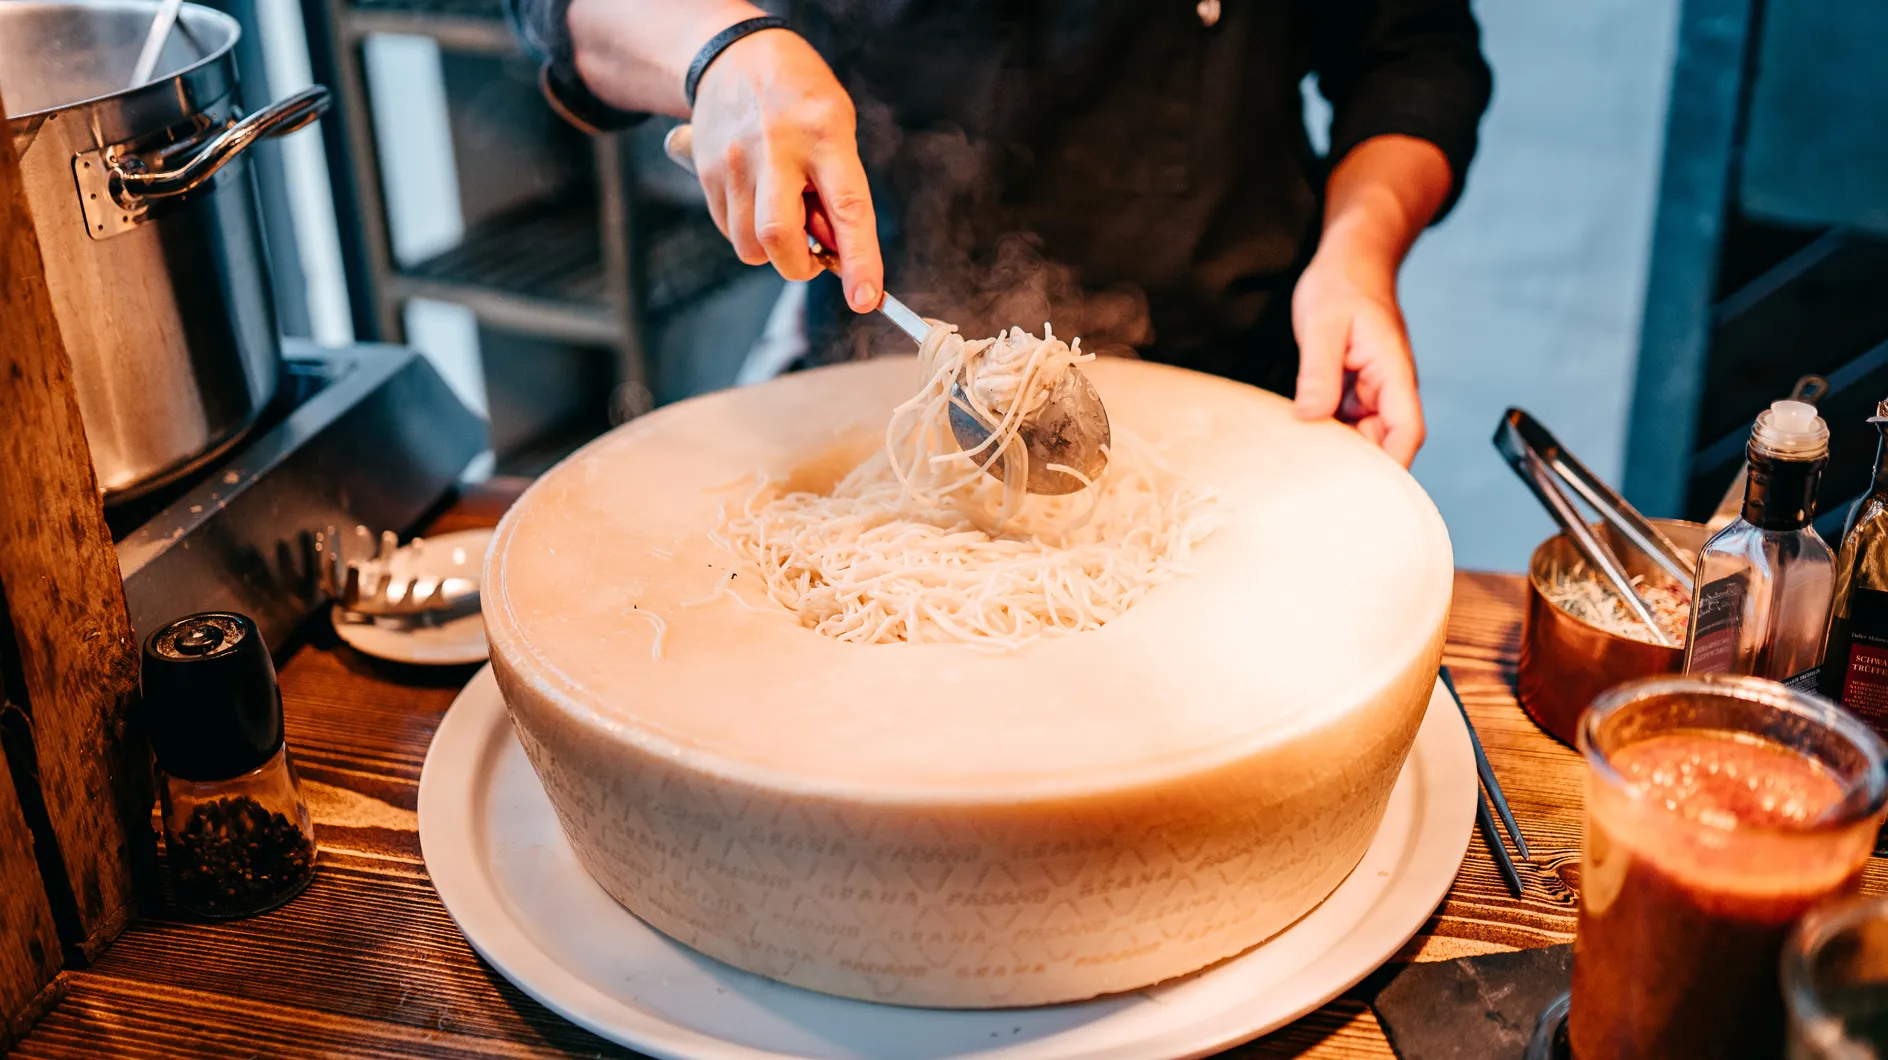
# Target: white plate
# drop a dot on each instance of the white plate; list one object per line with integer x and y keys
{"x": 455, "y": 643}
{"x": 512, "y": 883}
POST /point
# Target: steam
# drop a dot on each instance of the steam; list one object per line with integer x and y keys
{"x": 968, "y": 258}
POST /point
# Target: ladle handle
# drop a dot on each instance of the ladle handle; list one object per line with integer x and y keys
{"x": 154, "y": 39}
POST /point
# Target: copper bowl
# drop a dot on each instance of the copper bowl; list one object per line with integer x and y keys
{"x": 1566, "y": 662}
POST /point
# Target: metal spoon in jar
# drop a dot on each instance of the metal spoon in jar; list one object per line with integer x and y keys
{"x": 1069, "y": 429}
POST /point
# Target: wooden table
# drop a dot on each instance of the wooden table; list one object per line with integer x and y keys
{"x": 367, "y": 964}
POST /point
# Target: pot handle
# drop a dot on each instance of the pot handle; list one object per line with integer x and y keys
{"x": 134, "y": 183}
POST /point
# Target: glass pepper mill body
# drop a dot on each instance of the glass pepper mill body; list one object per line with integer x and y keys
{"x": 238, "y": 846}
{"x": 237, "y": 834}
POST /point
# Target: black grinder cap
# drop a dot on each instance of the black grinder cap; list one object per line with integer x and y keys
{"x": 211, "y": 704}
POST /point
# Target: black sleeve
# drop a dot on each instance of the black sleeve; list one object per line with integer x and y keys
{"x": 1409, "y": 67}
{"x": 543, "y": 28}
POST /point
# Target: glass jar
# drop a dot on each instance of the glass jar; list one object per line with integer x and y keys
{"x": 237, "y": 834}
{"x": 238, "y": 846}
{"x": 1718, "y": 811}
{"x": 1835, "y": 982}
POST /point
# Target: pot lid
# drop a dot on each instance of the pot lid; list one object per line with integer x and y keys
{"x": 56, "y": 54}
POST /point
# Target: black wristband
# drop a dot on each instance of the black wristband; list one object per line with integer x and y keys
{"x": 718, "y": 44}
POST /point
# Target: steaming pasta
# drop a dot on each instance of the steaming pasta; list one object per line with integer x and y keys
{"x": 918, "y": 543}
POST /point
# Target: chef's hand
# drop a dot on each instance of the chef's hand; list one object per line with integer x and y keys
{"x": 1354, "y": 354}
{"x": 771, "y": 123}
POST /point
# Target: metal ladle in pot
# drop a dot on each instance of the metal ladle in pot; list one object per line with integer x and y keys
{"x": 153, "y": 42}
{"x": 1070, "y": 428}
{"x": 154, "y": 39}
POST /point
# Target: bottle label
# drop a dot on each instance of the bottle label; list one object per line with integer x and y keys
{"x": 1805, "y": 681}
{"x": 1718, "y": 625}
{"x": 1865, "y": 671}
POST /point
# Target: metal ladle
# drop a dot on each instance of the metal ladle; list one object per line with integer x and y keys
{"x": 154, "y": 39}
{"x": 1069, "y": 429}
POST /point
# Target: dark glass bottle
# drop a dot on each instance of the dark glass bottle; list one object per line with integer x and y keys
{"x": 237, "y": 834}
{"x": 1855, "y": 651}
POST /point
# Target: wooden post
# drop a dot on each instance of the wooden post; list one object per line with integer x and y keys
{"x": 74, "y": 661}
{"x": 30, "y": 979}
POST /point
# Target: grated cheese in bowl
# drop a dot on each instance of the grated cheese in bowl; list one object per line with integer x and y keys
{"x": 1584, "y": 593}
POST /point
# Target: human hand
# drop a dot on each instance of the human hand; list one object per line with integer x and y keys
{"x": 774, "y": 138}
{"x": 1354, "y": 359}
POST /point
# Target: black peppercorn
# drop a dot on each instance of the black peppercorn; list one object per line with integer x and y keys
{"x": 233, "y": 856}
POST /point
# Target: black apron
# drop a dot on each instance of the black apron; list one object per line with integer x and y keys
{"x": 1116, "y": 168}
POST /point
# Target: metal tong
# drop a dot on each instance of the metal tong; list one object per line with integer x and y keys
{"x": 1491, "y": 793}
{"x": 1538, "y": 457}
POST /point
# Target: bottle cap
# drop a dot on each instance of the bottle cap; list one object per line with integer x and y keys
{"x": 1791, "y": 430}
{"x": 211, "y": 704}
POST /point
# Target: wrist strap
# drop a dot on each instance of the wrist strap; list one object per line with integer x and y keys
{"x": 718, "y": 44}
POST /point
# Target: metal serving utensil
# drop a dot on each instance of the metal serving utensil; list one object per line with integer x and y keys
{"x": 1542, "y": 463}
{"x": 361, "y": 580}
{"x": 1070, "y": 429}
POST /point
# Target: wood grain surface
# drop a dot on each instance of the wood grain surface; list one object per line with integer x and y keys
{"x": 70, "y": 662}
{"x": 367, "y": 964}
{"x": 29, "y": 942}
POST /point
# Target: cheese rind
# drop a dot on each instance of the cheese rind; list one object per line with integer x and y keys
{"x": 933, "y": 825}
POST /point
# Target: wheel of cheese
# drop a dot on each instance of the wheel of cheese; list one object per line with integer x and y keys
{"x": 936, "y": 825}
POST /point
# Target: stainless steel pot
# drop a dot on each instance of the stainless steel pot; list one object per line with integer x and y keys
{"x": 147, "y": 221}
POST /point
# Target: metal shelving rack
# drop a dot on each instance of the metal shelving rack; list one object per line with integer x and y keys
{"x": 561, "y": 269}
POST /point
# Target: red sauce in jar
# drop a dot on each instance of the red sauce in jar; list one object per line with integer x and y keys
{"x": 1693, "y": 877}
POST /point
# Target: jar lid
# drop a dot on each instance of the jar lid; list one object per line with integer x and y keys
{"x": 211, "y": 704}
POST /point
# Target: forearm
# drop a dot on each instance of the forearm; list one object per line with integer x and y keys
{"x": 634, "y": 54}
{"x": 1382, "y": 194}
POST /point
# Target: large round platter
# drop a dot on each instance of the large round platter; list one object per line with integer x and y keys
{"x": 510, "y": 880}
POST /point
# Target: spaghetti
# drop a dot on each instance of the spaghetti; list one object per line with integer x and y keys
{"x": 919, "y": 544}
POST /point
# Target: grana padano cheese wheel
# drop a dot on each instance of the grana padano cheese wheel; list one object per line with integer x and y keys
{"x": 934, "y": 825}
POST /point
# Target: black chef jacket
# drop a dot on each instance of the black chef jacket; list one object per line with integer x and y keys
{"x": 1120, "y": 168}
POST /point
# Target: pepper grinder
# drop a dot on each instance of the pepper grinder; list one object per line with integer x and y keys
{"x": 236, "y": 831}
